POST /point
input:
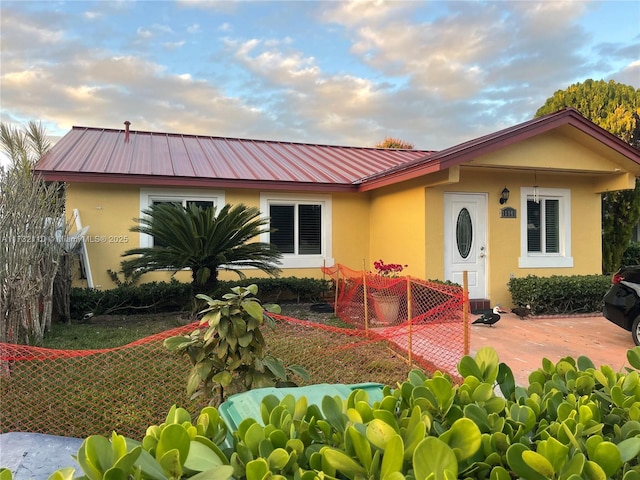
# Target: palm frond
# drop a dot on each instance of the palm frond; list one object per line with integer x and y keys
{"x": 203, "y": 238}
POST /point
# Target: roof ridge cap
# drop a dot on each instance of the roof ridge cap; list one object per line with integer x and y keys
{"x": 254, "y": 140}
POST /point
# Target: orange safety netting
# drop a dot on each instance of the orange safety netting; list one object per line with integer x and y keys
{"x": 423, "y": 318}
{"x": 78, "y": 393}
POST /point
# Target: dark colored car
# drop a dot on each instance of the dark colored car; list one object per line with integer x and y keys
{"x": 622, "y": 301}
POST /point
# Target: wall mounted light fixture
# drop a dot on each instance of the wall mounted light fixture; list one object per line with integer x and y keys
{"x": 504, "y": 196}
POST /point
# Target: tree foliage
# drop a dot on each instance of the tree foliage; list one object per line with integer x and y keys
{"x": 204, "y": 241}
{"x": 616, "y": 108}
{"x": 390, "y": 142}
{"x": 610, "y": 105}
{"x": 32, "y": 233}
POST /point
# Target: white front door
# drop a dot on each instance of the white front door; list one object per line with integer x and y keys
{"x": 465, "y": 240}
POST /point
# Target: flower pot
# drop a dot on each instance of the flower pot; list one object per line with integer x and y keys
{"x": 387, "y": 307}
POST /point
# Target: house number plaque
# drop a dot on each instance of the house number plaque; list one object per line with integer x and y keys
{"x": 508, "y": 212}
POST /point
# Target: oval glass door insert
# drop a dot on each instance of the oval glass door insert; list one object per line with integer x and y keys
{"x": 464, "y": 233}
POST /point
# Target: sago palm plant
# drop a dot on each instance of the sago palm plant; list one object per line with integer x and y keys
{"x": 203, "y": 240}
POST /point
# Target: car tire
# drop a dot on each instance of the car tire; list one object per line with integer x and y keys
{"x": 635, "y": 330}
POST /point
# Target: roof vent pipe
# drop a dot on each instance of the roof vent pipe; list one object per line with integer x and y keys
{"x": 126, "y": 131}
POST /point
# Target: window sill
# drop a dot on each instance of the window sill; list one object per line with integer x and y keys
{"x": 305, "y": 261}
{"x": 545, "y": 262}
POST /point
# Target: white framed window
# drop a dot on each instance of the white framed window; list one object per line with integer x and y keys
{"x": 184, "y": 197}
{"x": 545, "y": 228}
{"x": 302, "y": 227}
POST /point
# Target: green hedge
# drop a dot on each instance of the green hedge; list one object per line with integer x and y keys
{"x": 545, "y": 295}
{"x": 157, "y": 297}
{"x": 558, "y": 295}
{"x": 631, "y": 255}
{"x": 152, "y": 297}
{"x": 285, "y": 289}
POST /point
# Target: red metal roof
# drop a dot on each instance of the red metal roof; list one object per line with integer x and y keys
{"x": 105, "y": 155}
{"x": 147, "y": 158}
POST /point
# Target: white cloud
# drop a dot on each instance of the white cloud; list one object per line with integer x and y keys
{"x": 96, "y": 88}
{"x": 153, "y": 31}
{"x": 275, "y": 66}
{"x": 92, "y": 15}
{"x": 173, "y": 45}
{"x": 630, "y": 75}
{"x": 144, "y": 33}
{"x": 473, "y": 47}
{"x": 469, "y": 70}
{"x": 363, "y": 12}
{"x": 24, "y": 33}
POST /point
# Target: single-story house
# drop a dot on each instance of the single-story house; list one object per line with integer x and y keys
{"x": 521, "y": 201}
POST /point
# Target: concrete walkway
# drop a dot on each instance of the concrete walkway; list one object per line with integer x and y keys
{"x": 522, "y": 344}
{"x": 35, "y": 456}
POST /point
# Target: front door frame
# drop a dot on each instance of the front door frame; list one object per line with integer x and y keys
{"x": 475, "y": 263}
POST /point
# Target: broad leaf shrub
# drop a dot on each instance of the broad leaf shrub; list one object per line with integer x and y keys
{"x": 228, "y": 351}
{"x": 573, "y": 421}
{"x": 560, "y": 294}
{"x": 175, "y": 449}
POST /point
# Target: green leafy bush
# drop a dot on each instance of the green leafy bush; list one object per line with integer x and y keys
{"x": 631, "y": 256}
{"x": 175, "y": 449}
{"x": 228, "y": 353}
{"x": 282, "y": 288}
{"x": 573, "y": 421}
{"x": 560, "y": 294}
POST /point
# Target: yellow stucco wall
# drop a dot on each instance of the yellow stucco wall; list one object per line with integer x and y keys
{"x": 398, "y": 227}
{"x": 413, "y": 232}
{"x": 414, "y": 235}
{"x": 503, "y": 234}
{"x": 110, "y": 210}
{"x": 545, "y": 151}
{"x": 351, "y": 231}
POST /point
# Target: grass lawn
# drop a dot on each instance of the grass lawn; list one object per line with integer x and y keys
{"x": 109, "y": 331}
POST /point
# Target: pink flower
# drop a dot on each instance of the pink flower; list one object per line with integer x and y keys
{"x": 388, "y": 269}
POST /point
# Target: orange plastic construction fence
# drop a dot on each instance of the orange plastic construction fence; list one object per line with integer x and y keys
{"x": 426, "y": 319}
{"x": 78, "y": 393}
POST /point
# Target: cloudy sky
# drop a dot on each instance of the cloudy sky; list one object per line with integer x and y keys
{"x": 348, "y": 73}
